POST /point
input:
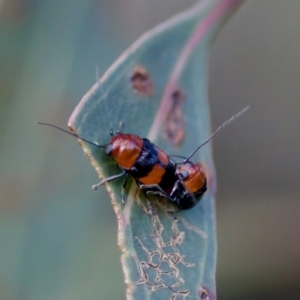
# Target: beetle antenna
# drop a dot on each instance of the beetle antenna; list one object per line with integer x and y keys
{"x": 73, "y": 134}
{"x": 111, "y": 131}
{"x": 217, "y": 131}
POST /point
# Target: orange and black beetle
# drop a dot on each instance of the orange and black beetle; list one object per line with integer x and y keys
{"x": 190, "y": 185}
{"x": 152, "y": 169}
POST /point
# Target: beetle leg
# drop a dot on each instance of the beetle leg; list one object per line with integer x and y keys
{"x": 175, "y": 188}
{"x": 111, "y": 178}
{"x": 123, "y": 195}
{"x": 157, "y": 190}
{"x": 158, "y": 193}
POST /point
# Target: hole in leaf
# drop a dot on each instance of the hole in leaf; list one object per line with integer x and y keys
{"x": 174, "y": 129}
{"x": 141, "y": 81}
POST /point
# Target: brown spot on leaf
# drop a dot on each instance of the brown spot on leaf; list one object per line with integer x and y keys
{"x": 174, "y": 124}
{"x": 141, "y": 82}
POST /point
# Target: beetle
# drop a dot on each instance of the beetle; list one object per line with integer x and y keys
{"x": 139, "y": 158}
{"x": 190, "y": 185}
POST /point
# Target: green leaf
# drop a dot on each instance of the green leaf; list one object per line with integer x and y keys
{"x": 158, "y": 89}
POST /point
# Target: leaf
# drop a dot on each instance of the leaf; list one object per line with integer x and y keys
{"x": 158, "y": 89}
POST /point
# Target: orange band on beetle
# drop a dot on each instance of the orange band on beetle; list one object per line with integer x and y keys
{"x": 154, "y": 176}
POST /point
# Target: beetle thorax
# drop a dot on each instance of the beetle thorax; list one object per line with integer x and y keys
{"x": 125, "y": 149}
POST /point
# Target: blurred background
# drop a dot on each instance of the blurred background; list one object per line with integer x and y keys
{"x": 57, "y": 240}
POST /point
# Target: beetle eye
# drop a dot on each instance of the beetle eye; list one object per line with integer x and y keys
{"x": 184, "y": 174}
